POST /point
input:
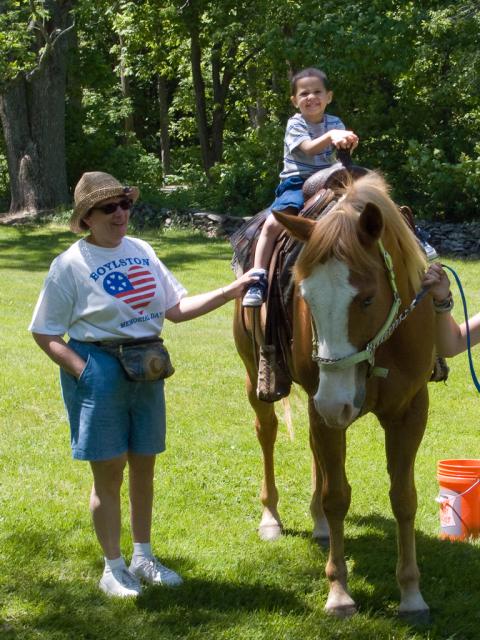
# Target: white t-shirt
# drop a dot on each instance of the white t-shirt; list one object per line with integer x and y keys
{"x": 95, "y": 293}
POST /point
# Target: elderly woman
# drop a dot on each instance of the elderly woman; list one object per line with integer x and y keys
{"x": 110, "y": 293}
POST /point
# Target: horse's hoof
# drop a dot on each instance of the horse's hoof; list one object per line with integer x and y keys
{"x": 270, "y": 532}
{"x": 415, "y": 618}
{"x": 342, "y": 612}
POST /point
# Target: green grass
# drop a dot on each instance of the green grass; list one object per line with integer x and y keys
{"x": 207, "y": 485}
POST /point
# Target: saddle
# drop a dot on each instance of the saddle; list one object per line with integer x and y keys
{"x": 321, "y": 191}
{"x": 274, "y": 364}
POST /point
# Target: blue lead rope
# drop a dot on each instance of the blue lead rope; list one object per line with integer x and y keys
{"x": 465, "y": 311}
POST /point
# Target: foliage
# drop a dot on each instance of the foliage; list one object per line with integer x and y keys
{"x": 17, "y": 54}
{"x": 406, "y": 78}
{"x": 207, "y": 485}
{"x": 245, "y": 181}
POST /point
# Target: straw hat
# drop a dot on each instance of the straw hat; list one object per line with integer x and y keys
{"x": 93, "y": 187}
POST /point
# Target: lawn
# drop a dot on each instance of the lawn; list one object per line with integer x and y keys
{"x": 207, "y": 484}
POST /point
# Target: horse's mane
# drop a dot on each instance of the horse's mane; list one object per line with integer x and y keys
{"x": 336, "y": 234}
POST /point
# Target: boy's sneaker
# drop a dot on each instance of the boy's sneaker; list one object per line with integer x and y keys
{"x": 423, "y": 238}
{"x": 256, "y": 293}
{"x": 152, "y": 571}
{"x": 120, "y": 583}
{"x": 430, "y": 251}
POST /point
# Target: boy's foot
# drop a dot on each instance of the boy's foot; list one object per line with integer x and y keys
{"x": 154, "y": 572}
{"x": 120, "y": 583}
{"x": 256, "y": 293}
{"x": 430, "y": 251}
{"x": 423, "y": 237}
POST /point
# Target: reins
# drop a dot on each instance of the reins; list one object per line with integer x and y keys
{"x": 467, "y": 327}
{"x": 389, "y": 326}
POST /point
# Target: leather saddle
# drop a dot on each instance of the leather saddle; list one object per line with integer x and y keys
{"x": 320, "y": 191}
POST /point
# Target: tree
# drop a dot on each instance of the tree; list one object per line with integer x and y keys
{"x": 216, "y": 30}
{"x": 32, "y": 100}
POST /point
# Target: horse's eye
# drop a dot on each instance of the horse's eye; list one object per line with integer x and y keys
{"x": 366, "y": 302}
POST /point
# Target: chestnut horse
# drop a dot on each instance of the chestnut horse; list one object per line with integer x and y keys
{"x": 360, "y": 264}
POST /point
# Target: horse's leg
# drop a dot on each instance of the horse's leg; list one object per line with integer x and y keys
{"x": 266, "y": 424}
{"x": 402, "y": 439}
{"x": 320, "y": 524}
{"x": 329, "y": 449}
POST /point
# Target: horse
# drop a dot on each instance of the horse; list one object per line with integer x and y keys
{"x": 359, "y": 265}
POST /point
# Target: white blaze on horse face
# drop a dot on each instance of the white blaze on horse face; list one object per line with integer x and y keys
{"x": 328, "y": 292}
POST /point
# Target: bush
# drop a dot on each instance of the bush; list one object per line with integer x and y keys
{"x": 444, "y": 189}
{"x": 130, "y": 163}
{"x": 245, "y": 181}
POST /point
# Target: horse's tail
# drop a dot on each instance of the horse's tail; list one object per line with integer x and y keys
{"x": 287, "y": 412}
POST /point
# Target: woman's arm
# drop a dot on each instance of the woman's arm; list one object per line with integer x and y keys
{"x": 450, "y": 337}
{"x": 195, "y": 306}
{"x": 57, "y": 350}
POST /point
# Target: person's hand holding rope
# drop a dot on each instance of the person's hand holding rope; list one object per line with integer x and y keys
{"x": 438, "y": 284}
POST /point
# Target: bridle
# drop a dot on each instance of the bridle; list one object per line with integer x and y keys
{"x": 388, "y": 327}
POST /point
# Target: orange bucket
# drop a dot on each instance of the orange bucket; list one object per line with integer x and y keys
{"x": 459, "y": 498}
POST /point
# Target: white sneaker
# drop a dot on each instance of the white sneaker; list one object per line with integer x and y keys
{"x": 430, "y": 251}
{"x": 254, "y": 296}
{"x": 152, "y": 571}
{"x": 120, "y": 583}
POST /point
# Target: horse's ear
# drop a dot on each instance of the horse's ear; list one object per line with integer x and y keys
{"x": 300, "y": 228}
{"x": 371, "y": 223}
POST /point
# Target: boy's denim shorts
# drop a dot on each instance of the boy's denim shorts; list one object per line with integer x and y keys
{"x": 108, "y": 413}
{"x": 289, "y": 194}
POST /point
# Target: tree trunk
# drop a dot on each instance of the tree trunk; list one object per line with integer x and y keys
{"x": 32, "y": 113}
{"x": 164, "y": 123}
{"x": 221, "y": 85}
{"x": 128, "y": 125}
{"x": 200, "y": 101}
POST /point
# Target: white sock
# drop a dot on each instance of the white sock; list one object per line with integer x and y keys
{"x": 115, "y": 563}
{"x": 142, "y": 550}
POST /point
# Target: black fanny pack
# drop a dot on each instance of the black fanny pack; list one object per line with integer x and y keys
{"x": 143, "y": 359}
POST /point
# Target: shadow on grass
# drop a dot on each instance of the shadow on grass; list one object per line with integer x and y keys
{"x": 450, "y": 577}
{"x": 27, "y": 249}
{"x": 172, "y": 249}
{"x": 72, "y": 606}
{"x": 32, "y": 248}
{"x": 52, "y": 603}
{"x": 167, "y": 612}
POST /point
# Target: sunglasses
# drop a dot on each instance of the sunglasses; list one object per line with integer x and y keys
{"x": 111, "y": 207}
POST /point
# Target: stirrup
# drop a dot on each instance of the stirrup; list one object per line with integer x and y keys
{"x": 272, "y": 383}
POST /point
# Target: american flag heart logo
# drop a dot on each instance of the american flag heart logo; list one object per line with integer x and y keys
{"x": 136, "y": 288}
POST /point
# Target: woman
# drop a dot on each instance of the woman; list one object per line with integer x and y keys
{"x": 107, "y": 292}
{"x": 450, "y": 337}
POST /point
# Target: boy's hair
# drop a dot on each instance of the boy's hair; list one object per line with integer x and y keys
{"x": 310, "y": 72}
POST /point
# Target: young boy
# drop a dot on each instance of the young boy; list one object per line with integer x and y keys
{"x": 310, "y": 138}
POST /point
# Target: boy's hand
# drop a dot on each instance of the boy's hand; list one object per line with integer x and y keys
{"x": 341, "y": 139}
{"x": 437, "y": 282}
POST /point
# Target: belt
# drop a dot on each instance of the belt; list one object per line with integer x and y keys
{"x": 121, "y": 343}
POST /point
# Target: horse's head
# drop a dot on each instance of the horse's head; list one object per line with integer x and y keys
{"x": 342, "y": 277}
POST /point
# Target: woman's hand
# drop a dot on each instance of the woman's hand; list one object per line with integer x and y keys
{"x": 237, "y": 288}
{"x": 195, "y": 306}
{"x": 57, "y": 350}
{"x": 436, "y": 280}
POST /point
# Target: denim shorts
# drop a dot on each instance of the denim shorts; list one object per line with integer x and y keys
{"x": 289, "y": 194}
{"x": 108, "y": 413}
